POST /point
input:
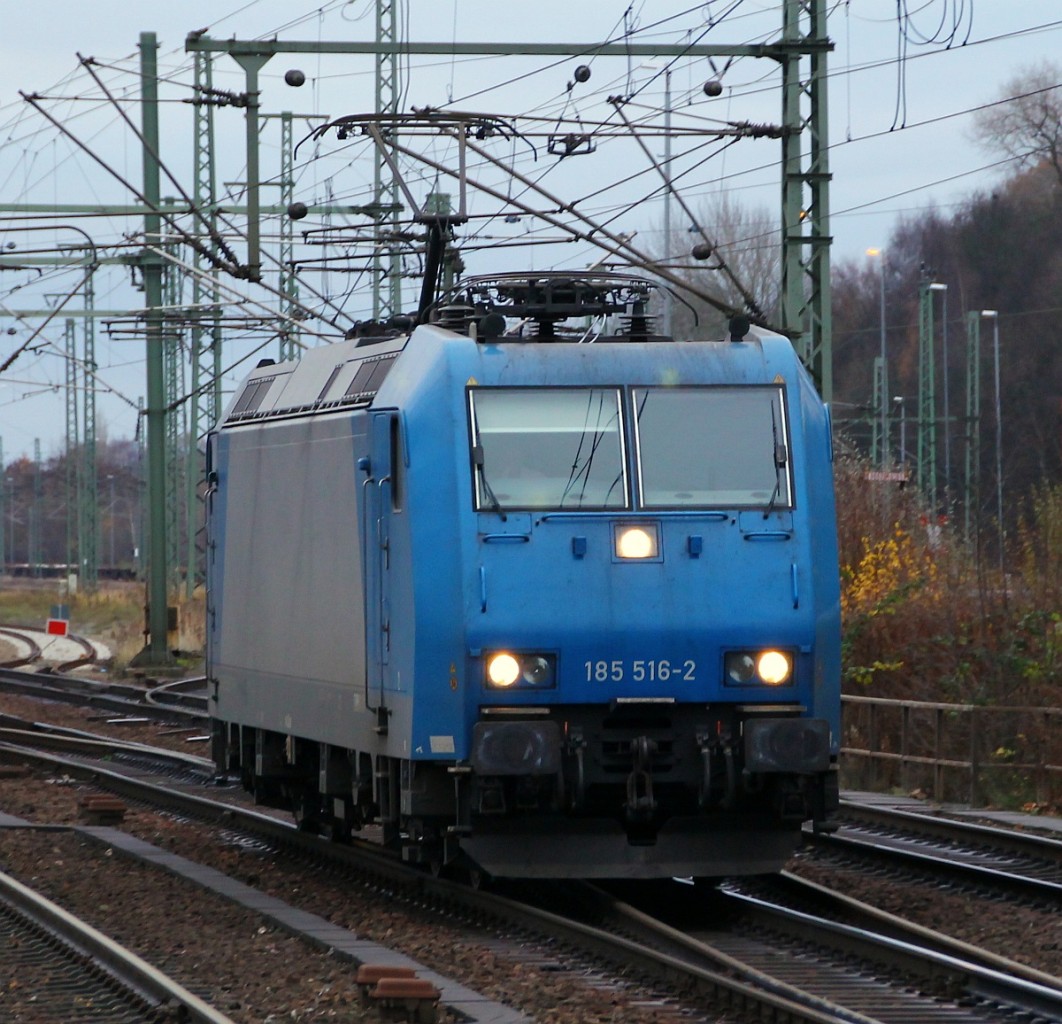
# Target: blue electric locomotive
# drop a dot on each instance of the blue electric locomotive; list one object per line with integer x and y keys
{"x": 557, "y": 601}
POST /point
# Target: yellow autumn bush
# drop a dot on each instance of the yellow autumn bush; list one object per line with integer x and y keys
{"x": 890, "y": 570}
{"x": 926, "y": 613}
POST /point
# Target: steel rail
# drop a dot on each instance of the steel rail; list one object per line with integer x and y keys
{"x": 1041, "y": 998}
{"x": 943, "y": 824}
{"x": 77, "y": 690}
{"x": 869, "y": 987}
{"x": 33, "y": 648}
{"x": 886, "y": 924}
{"x": 715, "y": 973}
{"x": 131, "y": 972}
{"x": 368, "y": 860}
{"x": 984, "y": 867}
{"x": 173, "y": 694}
{"x": 89, "y": 657}
{"x": 74, "y": 741}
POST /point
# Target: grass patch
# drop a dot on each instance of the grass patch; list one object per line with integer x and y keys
{"x": 112, "y": 615}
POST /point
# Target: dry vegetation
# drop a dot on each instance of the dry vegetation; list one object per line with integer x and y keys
{"x": 929, "y": 617}
{"x": 113, "y": 615}
{"x": 926, "y": 617}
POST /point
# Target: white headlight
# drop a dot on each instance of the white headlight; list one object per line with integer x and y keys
{"x": 774, "y": 667}
{"x": 503, "y": 670}
{"x": 637, "y": 542}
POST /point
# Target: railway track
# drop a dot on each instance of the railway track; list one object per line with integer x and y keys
{"x": 58, "y": 967}
{"x": 805, "y": 897}
{"x": 52, "y": 653}
{"x": 187, "y": 768}
{"x": 165, "y": 702}
{"x": 745, "y": 969}
{"x": 878, "y": 970}
{"x": 747, "y": 965}
{"x": 28, "y": 649}
{"x": 987, "y": 859}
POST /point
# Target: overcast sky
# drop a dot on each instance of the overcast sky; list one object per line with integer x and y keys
{"x": 899, "y": 118}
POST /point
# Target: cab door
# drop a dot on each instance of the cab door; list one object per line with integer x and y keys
{"x": 379, "y": 491}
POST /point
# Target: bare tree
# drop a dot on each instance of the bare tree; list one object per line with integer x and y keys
{"x": 747, "y": 240}
{"x": 1027, "y": 122}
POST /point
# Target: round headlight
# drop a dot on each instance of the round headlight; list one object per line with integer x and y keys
{"x": 503, "y": 670}
{"x": 636, "y": 542}
{"x": 536, "y": 671}
{"x": 774, "y": 667}
{"x": 741, "y": 668}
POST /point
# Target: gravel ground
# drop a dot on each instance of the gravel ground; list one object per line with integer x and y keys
{"x": 1029, "y": 936}
{"x": 266, "y": 976}
{"x": 317, "y": 986}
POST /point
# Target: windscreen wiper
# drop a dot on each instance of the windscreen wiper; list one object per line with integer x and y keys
{"x": 484, "y": 483}
{"x": 779, "y": 456}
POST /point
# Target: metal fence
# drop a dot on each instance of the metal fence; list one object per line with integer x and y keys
{"x": 959, "y": 753}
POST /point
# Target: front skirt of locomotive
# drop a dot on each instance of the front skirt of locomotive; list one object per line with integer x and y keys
{"x": 636, "y": 797}
{"x": 684, "y": 847}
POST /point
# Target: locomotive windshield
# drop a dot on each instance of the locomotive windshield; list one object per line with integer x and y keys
{"x": 548, "y": 448}
{"x": 712, "y": 446}
{"x": 565, "y": 448}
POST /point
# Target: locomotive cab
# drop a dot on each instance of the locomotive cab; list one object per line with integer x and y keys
{"x": 558, "y": 601}
{"x": 671, "y": 716}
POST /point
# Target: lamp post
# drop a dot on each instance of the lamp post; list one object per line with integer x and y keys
{"x": 937, "y": 286}
{"x": 993, "y": 315}
{"x": 9, "y": 552}
{"x": 898, "y": 401}
{"x": 110, "y": 508}
{"x": 9, "y": 490}
{"x": 883, "y": 394}
{"x": 667, "y": 193}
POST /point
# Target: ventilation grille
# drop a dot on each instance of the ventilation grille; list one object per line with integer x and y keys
{"x": 251, "y": 399}
{"x": 367, "y": 381}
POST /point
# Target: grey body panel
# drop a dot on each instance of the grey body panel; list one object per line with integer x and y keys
{"x": 288, "y": 648}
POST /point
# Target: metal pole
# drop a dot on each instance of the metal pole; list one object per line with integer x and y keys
{"x": 667, "y": 195}
{"x": 110, "y": 480}
{"x": 252, "y": 63}
{"x": 947, "y": 414}
{"x": 884, "y": 375}
{"x": 898, "y": 400}
{"x": 999, "y": 438}
{"x": 903, "y": 431}
{"x": 885, "y": 378}
{"x": 883, "y": 391}
{"x": 3, "y": 494}
{"x": 926, "y": 460}
{"x": 88, "y": 491}
{"x": 72, "y": 454}
{"x": 993, "y": 315}
{"x": 972, "y": 495}
{"x": 33, "y": 514}
{"x": 156, "y": 651}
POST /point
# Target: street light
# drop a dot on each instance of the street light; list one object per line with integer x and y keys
{"x": 10, "y": 484}
{"x": 110, "y": 480}
{"x": 993, "y": 315}
{"x": 898, "y": 401}
{"x": 883, "y": 396}
{"x": 937, "y": 286}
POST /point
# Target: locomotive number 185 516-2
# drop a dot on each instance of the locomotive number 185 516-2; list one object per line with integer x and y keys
{"x": 650, "y": 670}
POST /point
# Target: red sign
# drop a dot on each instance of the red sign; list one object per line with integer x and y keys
{"x": 56, "y": 627}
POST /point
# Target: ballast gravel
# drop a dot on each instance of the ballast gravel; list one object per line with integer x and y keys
{"x": 265, "y": 975}
{"x": 253, "y": 972}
